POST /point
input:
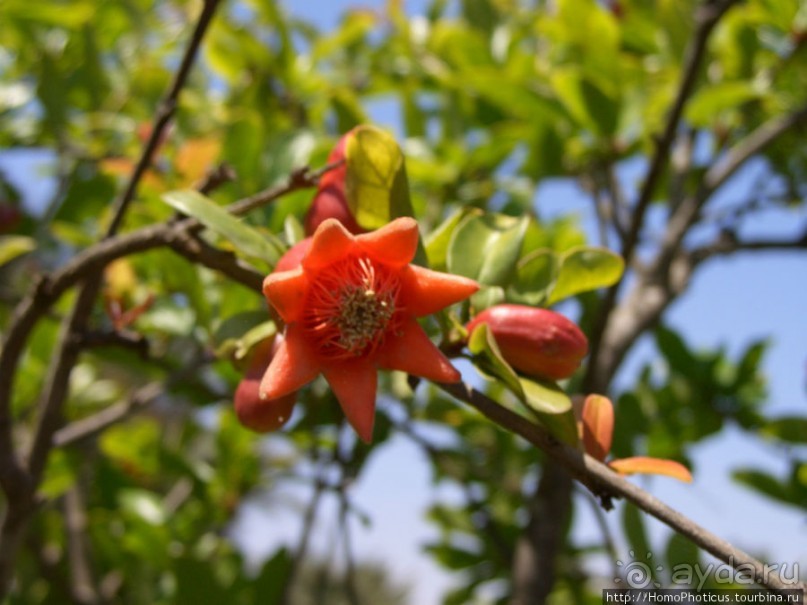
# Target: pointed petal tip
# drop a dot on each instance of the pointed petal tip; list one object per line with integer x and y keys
{"x": 330, "y": 243}
{"x": 425, "y": 291}
{"x": 412, "y": 352}
{"x": 355, "y": 384}
{"x": 395, "y": 243}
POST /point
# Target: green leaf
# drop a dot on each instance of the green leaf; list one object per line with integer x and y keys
{"x": 583, "y": 269}
{"x": 143, "y": 505}
{"x": 791, "y": 429}
{"x": 766, "y": 484}
{"x": 487, "y": 247}
{"x": 544, "y": 401}
{"x": 710, "y": 101}
{"x": 217, "y": 219}
{"x": 536, "y": 274}
{"x": 681, "y": 551}
{"x": 237, "y": 334}
{"x": 376, "y": 185}
{"x": 270, "y": 583}
{"x": 488, "y": 357}
{"x": 196, "y": 583}
{"x": 553, "y": 407}
{"x": 635, "y": 531}
{"x": 586, "y": 101}
{"x": 12, "y": 246}
{"x": 437, "y": 241}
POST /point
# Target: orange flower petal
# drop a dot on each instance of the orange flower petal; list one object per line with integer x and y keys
{"x": 412, "y": 352}
{"x": 293, "y": 365}
{"x": 355, "y": 383}
{"x": 394, "y": 244}
{"x": 330, "y": 244}
{"x": 651, "y": 466}
{"x": 598, "y": 425}
{"x": 424, "y": 291}
{"x": 285, "y": 291}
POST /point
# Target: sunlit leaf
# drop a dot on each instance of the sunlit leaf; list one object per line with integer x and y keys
{"x": 12, "y": 246}
{"x": 377, "y": 187}
{"x": 583, "y": 269}
{"x": 552, "y": 406}
{"x": 482, "y": 344}
{"x": 217, "y": 219}
{"x": 535, "y": 276}
{"x": 487, "y": 247}
{"x": 438, "y": 240}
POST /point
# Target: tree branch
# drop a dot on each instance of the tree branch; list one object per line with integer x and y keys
{"x": 607, "y": 484}
{"x": 748, "y": 147}
{"x": 707, "y": 16}
{"x": 20, "y": 492}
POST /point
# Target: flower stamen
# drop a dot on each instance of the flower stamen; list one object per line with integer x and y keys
{"x": 351, "y": 306}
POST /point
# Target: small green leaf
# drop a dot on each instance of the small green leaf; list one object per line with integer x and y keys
{"x": 583, "y": 269}
{"x": 487, "y": 247}
{"x": 217, "y": 219}
{"x": 236, "y": 335}
{"x": 143, "y": 505}
{"x": 437, "y": 241}
{"x": 791, "y": 429}
{"x": 488, "y": 357}
{"x": 536, "y": 274}
{"x": 376, "y": 185}
{"x": 553, "y": 407}
{"x": 710, "y": 101}
{"x": 12, "y": 246}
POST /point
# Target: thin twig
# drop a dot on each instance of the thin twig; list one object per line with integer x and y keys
{"x": 165, "y": 112}
{"x": 605, "y": 484}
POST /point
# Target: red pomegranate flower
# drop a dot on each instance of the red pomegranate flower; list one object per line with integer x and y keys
{"x": 350, "y": 309}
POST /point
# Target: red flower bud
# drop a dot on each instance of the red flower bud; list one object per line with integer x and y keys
{"x": 261, "y": 415}
{"x": 537, "y": 342}
{"x": 330, "y": 200}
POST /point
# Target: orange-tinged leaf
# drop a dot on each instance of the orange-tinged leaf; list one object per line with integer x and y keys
{"x": 651, "y": 466}
{"x": 195, "y": 157}
{"x": 123, "y": 167}
{"x": 598, "y": 425}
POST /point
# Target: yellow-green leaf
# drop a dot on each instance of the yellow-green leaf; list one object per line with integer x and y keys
{"x": 217, "y": 219}
{"x": 583, "y": 269}
{"x": 12, "y": 246}
{"x": 376, "y": 185}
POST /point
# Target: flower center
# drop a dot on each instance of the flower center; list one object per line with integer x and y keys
{"x": 351, "y": 306}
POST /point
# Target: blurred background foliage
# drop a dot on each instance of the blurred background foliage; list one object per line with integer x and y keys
{"x": 489, "y": 99}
